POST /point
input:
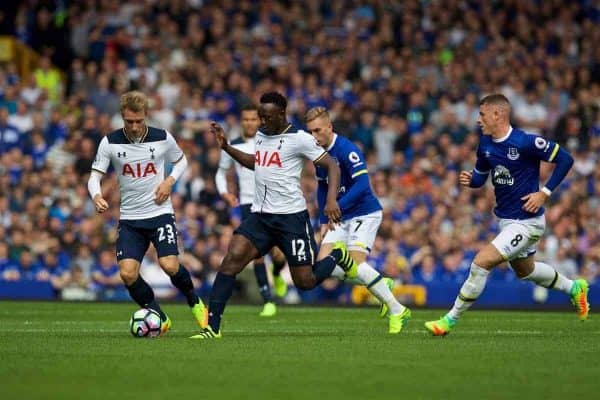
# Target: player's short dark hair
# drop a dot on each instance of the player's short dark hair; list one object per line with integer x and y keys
{"x": 496, "y": 99}
{"x": 249, "y": 107}
{"x": 274, "y": 98}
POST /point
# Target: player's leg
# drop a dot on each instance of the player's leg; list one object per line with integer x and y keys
{"x": 544, "y": 275}
{"x": 514, "y": 239}
{"x": 131, "y": 246}
{"x": 296, "y": 239}
{"x": 260, "y": 272}
{"x": 279, "y": 283}
{"x": 251, "y": 239}
{"x": 164, "y": 238}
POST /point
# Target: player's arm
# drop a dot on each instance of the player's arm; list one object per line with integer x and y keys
{"x": 550, "y": 152}
{"x": 99, "y": 168}
{"x": 247, "y": 160}
{"x": 477, "y": 177}
{"x": 176, "y": 156}
{"x": 221, "y": 180}
{"x": 321, "y": 199}
{"x": 354, "y": 162}
{"x": 331, "y": 210}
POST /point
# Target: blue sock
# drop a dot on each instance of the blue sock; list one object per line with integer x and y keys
{"x": 183, "y": 281}
{"x": 219, "y": 295}
{"x": 263, "y": 282}
{"x": 143, "y": 294}
{"x": 323, "y": 269}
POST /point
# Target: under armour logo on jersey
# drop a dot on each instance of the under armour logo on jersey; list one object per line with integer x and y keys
{"x": 123, "y": 154}
{"x": 152, "y": 151}
{"x": 280, "y": 144}
{"x": 119, "y": 253}
{"x": 259, "y": 141}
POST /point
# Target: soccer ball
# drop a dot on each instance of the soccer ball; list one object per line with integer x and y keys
{"x": 145, "y": 323}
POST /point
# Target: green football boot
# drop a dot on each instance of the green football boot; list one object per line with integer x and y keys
{"x": 346, "y": 262}
{"x": 207, "y": 333}
{"x": 440, "y": 327}
{"x": 398, "y": 321}
{"x": 579, "y": 298}
{"x": 200, "y": 314}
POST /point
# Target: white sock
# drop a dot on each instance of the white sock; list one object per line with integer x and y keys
{"x": 470, "y": 291}
{"x": 377, "y": 287}
{"x": 338, "y": 273}
{"x": 546, "y": 276}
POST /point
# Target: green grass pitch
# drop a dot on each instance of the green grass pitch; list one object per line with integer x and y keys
{"x": 84, "y": 351}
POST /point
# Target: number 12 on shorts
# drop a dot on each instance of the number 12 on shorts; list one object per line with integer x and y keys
{"x": 298, "y": 249}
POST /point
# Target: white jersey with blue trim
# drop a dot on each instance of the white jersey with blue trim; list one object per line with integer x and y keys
{"x": 514, "y": 164}
{"x": 279, "y": 160}
{"x": 245, "y": 175}
{"x": 140, "y": 168}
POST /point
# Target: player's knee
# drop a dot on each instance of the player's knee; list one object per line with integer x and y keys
{"x": 128, "y": 276}
{"x": 304, "y": 282}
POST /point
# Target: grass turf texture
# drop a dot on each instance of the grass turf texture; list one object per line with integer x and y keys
{"x": 84, "y": 351}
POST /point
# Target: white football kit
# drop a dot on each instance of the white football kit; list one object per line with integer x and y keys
{"x": 140, "y": 168}
{"x": 279, "y": 160}
{"x": 245, "y": 175}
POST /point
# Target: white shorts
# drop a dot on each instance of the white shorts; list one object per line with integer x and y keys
{"x": 358, "y": 233}
{"x": 517, "y": 238}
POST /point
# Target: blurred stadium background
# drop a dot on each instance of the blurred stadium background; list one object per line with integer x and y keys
{"x": 402, "y": 79}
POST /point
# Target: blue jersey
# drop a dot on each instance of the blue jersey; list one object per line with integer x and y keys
{"x": 514, "y": 163}
{"x": 355, "y": 197}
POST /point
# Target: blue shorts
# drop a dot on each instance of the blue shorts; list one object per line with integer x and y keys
{"x": 136, "y": 235}
{"x": 292, "y": 233}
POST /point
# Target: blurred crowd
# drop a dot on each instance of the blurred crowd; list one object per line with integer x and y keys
{"x": 402, "y": 79}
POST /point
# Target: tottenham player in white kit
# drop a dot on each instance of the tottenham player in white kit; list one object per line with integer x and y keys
{"x": 513, "y": 157}
{"x": 279, "y": 215}
{"x": 250, "y": 123}
{"x": 138, "y": 153}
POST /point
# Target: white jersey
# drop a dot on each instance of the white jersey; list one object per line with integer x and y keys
{"x": 140, "y": 168}
{"x": 245, "y": 175}
{"x": 278, "y": 164}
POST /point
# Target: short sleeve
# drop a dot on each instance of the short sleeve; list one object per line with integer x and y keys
{"x": 541, "y": 148}
{"x": 174, "y": 152}
{"x": 308, "y": 147}
{"x": 102, "y": 160}
{"x": 354, "y": 161}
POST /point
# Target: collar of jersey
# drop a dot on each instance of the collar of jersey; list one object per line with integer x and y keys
{"x": 332, "y": 142}
{"x": 503, "y": 138}
{"x": 141, "y": 139}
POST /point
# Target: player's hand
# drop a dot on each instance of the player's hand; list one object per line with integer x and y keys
{"x": 465, "y": 178}
{"x": 163, "y": 191}
{"x": 217, "y": 130}
{"x": 533, "y": 201}
{"x": 332, "y": 212}
{"x": 231, "y": 200}
{"x": 100, "y": 203}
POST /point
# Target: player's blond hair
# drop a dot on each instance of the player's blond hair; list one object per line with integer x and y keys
{"x": 135, "y": 101}
{"x": 316, "y": 112}
{"x": 497, "y": 99}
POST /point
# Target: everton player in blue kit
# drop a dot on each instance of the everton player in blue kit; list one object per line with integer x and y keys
{"x": 512, "y": 158}
{"x": 361, "y": 214}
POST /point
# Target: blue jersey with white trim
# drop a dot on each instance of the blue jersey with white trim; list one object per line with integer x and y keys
{"x": 352, "y": 166}
{"x": 514, "y": 163}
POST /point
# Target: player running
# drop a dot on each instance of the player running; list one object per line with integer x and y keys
{"x": 250, "y": 123}
{"x": 279, "y": 215}
{"x": 361, "y": 214}
{"x": 513, "y": 157}
{"x": 138, "y": 153}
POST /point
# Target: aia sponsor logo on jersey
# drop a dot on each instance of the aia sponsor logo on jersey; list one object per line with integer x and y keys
{"x": 139, "y": 170}
{"x": 267, "y": 159}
